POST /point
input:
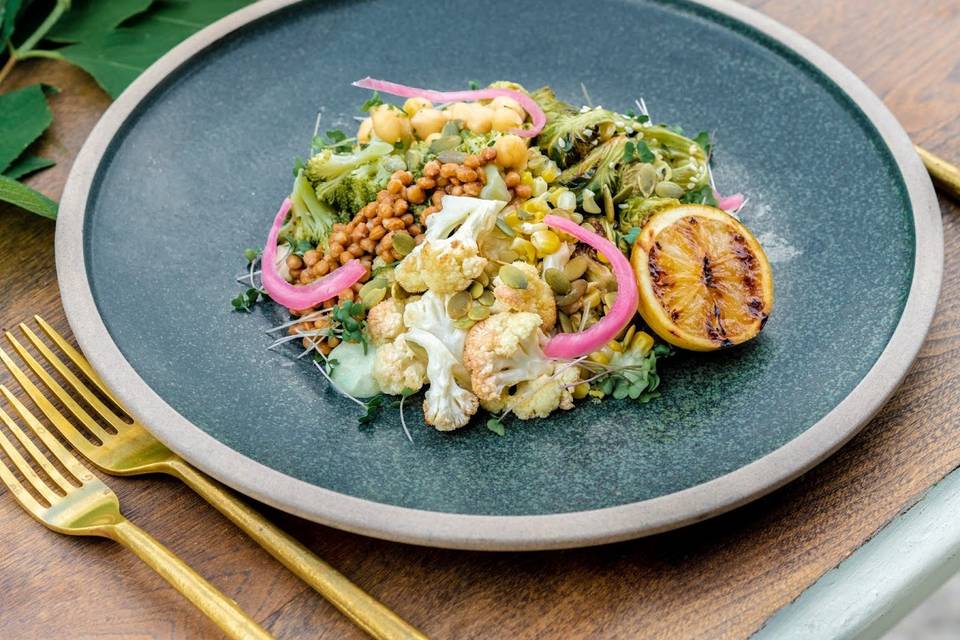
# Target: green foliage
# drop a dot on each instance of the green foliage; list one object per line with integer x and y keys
{"x": 27, "y": 164}
{"x": 371, "y": 102}
{"x": 246, "y": 300}
{"x": 89, "y": 18}
{"x": 26, "y": 198}
{"x": 348, "y": 322}
{"x": 637, "y": 151}
{"x": 24, "y": 115}
{"x": 8, "y": 16}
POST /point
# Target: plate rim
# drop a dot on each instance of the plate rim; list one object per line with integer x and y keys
{"x": 504, "y": 532}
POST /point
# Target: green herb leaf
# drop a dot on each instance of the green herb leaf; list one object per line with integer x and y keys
{"x": 495, "y": 425}
{"x": 27, "y": 164}
{"x": 26, "y": 198}
{"x": 89, "y": 18}
{"x": 643, "y": 152}
{"x": 251, "y": 254}
{"x": 335, "y": 139}
{"x": 373, "y": 101}
{"x": 246, "y": 300}
{"x": 24, "y": 115}
{"x": 473, "y": 84}
{"x": 297, "y": 166}
{"x": 115, "y": 58}
{"x": 703, "y": 139}
{"x": 8, "y": 15}
{"x": 700, "y": 195}
{"x": 372, "y": 409}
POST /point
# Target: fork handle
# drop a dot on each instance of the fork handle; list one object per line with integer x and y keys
{"x": 363, "y": 609}
{"x": 223, "y": 611}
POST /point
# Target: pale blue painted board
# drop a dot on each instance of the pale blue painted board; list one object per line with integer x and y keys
{"x": 883, "y": 580}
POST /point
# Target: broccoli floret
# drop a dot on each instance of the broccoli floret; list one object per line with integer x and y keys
{"x": 569, "y": 133}
{"x": 310, "y": 220}
{"x": 599, "y": 168}
{"x": 350, "y": 192}
{"x": 346, "y": 182}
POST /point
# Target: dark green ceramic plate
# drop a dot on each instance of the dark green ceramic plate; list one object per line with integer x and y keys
{"x": 186, "y": 169}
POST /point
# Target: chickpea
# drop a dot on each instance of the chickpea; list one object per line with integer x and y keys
{"x": 332, "y": 342}
{"x": 321, "y": 269}
{"x": 506, "y": 119}
{"x": 337, "y": 236}
{"x": 355, "y": 249}
{"x": 415, "y": 104}
{"x": 442, "y": 182}
{"x": 427, "y": 122}
{"x": 346, "y": 294}
{"x": 377, "y": 232}
{"x": 506, "y": 102}
{"x": 390, "y": 124}
{"x": 345, "y": 257}
{"x": 512, "y": 179}
{"x": 394, "y": 224}
{"x": 305, "y": 277}
{"x": 416, "y": 195}
{"x": 363, "y": 132}
{"x": 385, "y": 210}
{"x": 367, "y": 245}
{"x": 385, "y": 196}
{"x": 426, "y": 183}
{"x": 414, "y": 229}
{"x": 472, "y": 189}
{"x": 466, "y": 174}
{"x": 359, "y": 232}
{"x": 334, "y": 250}
{"x": 400, "y": 207}
{"x": 511, "y": 152}
{"x": 436, "y": 197}
{"x": 407, "y": 219}
{"x": 458, "y": 111}
{"x": 480, "y": 119}
{"x": 448, "y": 170}
{"x": 394, "y": 186}
{"x": 311, "y": 257}
{"x": 431, "y": 169}
{"x": 473, "y": 162}
{"x": 405, "y": 177}
{"x": 489, "y": 154}
{"x": 523, "y": 191}
{"x": 455, "y": 190}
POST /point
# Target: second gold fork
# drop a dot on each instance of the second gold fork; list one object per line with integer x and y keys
{"x": 131, "y": 450}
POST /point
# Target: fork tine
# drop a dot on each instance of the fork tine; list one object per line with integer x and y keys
{"x": 67, "y": 459}
{"x": 22, "y": 495}
{"x": 77, "y": 358}
{"x": 37, "y": 396}
{"x": 83, "y": 390}
{"x": 58, "y": 480}
{"x": 22, "y": 465}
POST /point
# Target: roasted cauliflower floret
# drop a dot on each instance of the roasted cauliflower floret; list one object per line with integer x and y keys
{"x": 537, "y": 297}
{"x": 540, "y": 397}
{"x": 439, "y": 226}
{"x": 505, "y": 350}
{"x": 385, "y": 321}
{"x": 447, "y": 405}
{"x": 449, "y": 264}
{"x": 397, "y": 367}
{"x": 429, "y": 314}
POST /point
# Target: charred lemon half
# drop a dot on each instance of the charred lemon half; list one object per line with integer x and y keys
{"x": 705, "y": 282}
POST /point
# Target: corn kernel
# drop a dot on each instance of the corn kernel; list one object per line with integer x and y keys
{"x": 581, "y": 391}
{"x": 526, "y": 178}
{"x": 539, "y": 186}
{"x": 599, "y": 357}
{"x": 642, "y": 342}
{"x": 513, "y": 220}
{"x": 545, "y": 242}
{"x": 555, "y": 194}
{"x": 628, "y": 336}
{"x": 615, "y": 346}
{"x": 525, "y": 249}
{"x": 550, "y": 172}
{"x": 602, "y": 258}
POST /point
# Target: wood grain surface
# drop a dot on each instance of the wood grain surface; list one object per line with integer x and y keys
{"x": 719, "y": 579}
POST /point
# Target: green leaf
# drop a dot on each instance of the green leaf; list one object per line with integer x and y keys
{"x": 24, "y": 115}
{"x": 8, "y": 15}
{"x": 643, "y": 152}
{"x": 373, "y": 101}
{"x": 26, "y": 198}
{"x": 27, "y": 164}
{"x": 115, "y": 58}
{"x": 703, "y": 139}
{"x": 89, "y": 18}
{"x": 496, "y": 426}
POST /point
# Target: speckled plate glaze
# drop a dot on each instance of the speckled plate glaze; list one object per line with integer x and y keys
{"x": 187, "y": 167}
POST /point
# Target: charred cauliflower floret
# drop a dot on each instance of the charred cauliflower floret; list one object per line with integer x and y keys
{"x": 385, "y": 321}
{"x": 447, "y": 405}
{"x": 505, "y": 350}
{"x": 536, "y": 296}
{"x": 540, "y": 397}
{"x": 397, "y": 367}
{"x": 449, "y": 264}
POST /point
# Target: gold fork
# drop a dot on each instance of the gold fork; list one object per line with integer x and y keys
{"x": 131, "y": 450}
{"x": 86, "y": 506}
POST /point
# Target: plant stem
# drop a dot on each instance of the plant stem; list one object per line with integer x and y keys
{"x": 45, "y": 26}
{"x": 40, "y": 53}
{"x": 8, "y": 66}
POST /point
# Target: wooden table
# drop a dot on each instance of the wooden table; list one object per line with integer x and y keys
{"x": 719, "y": 579}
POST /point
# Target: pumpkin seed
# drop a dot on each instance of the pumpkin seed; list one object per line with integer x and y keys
{"x": 646, "y": 179}
{"x": 403, "y": 243}
{"x": 609, "y": 298}
{"x": 577, "y": 289}
{"x": 475, "y": 290}
{"x": 372, "y": 298}
{"x": 398, "y": 292}
{"x": 452, "y": 155}
{"x": 445, "y": 143}
{"x": 557, "y": 281}
{"x": 664, "y": 170}
{"x": 451, "y": 128}
{"x": 458, "y": 305}
{"x": 484, "y": 279}
{"x": 669, "y": 189}
{"x": 575, "y": 268}
{"x": 608, "y": 204}
{"x": 505, "y": 228}
{"x": 478, "y": 312}
{"x": 464, "y": 323}
{"x": 486, "y": 298}
{"x": 377, "y": 283}
{"x": 592, "y": 300}
{"x": 565, "y": 323}
{"x": 509, "y": 255}
{"x": 513, "y": 277}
